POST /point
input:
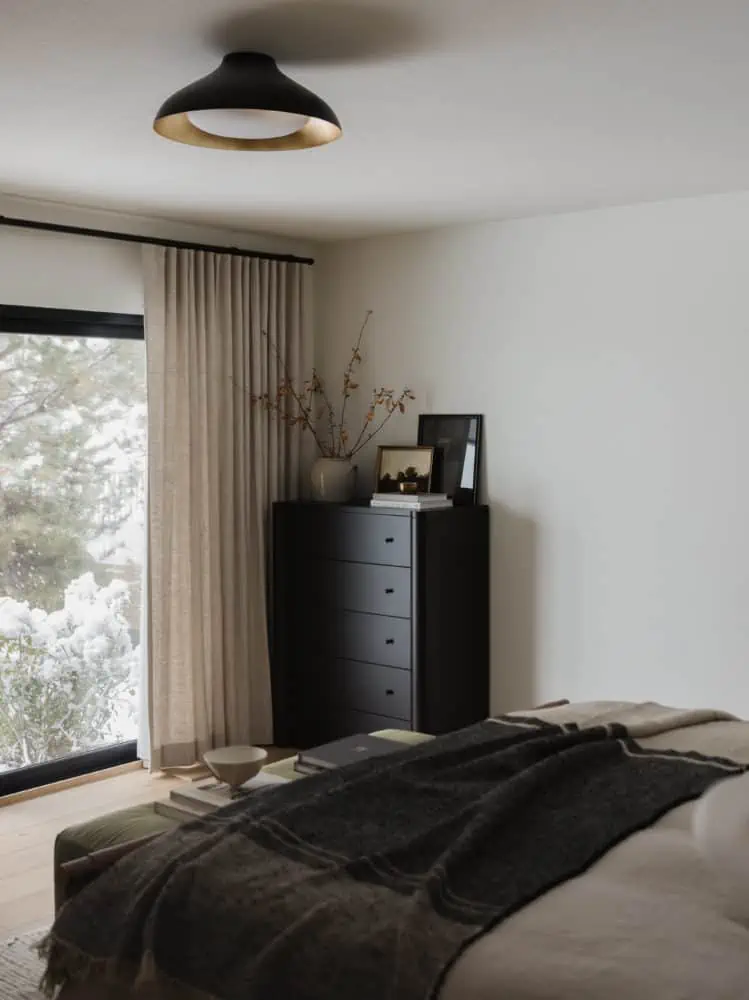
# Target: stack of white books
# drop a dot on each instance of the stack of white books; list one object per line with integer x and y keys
{"x": 411, "y": 501}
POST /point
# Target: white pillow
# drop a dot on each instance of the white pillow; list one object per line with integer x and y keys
{"x": 721, "y": 828}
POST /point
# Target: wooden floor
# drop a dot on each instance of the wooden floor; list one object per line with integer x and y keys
{"x": 27, "y": 834}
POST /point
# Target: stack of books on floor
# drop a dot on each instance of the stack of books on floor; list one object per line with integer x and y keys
{"x": 411, "y": 501}
{"x": 205, "y": 797}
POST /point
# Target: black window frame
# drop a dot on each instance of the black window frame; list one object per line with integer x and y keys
{"x": 69, "y": 323}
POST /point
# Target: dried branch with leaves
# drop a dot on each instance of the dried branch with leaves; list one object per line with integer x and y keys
{"x": 311, "y": 408}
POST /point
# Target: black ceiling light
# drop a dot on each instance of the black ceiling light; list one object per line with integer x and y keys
{"x": 247, "y": 103}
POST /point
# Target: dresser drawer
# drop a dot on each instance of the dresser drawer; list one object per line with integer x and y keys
{"x": 349, "y": 722}
{"x": 353, "y": 635}
{"x": 374, "y": 639}
{"x": 368, "y": 538}
{"x": 354, "y": 586}
{"x": 369, "y": 687}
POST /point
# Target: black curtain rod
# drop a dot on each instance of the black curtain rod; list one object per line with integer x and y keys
{"x": 105, "y": 234}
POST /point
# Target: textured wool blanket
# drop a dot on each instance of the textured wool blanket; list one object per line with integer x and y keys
{"x": 370, "y": 881}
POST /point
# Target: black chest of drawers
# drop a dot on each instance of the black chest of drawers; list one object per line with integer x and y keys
{"x": 380, "y": 620}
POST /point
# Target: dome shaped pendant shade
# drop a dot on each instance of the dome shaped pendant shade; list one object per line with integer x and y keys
{"x": 247, "y": 103}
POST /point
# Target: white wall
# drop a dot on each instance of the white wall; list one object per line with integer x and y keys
{"x": 609, "y": 352}
{"x": 77, "y": 272}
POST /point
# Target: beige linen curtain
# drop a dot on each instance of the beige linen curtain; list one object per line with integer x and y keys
{"x": 215, "y": 465}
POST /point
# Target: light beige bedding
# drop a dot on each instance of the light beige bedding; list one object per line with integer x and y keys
{"x": 649, "y": 921}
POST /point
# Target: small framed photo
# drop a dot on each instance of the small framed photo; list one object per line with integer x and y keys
{"x": 456, "y": 439}
{"x": 404, "y": 468}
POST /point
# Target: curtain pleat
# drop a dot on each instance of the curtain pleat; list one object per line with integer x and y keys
{"x": 217, "y": 327}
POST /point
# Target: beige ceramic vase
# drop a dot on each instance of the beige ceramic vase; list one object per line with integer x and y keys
{"x": 333, "y": 480}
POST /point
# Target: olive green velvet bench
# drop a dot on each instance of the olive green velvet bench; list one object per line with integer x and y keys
{"x": 82, "y": 851}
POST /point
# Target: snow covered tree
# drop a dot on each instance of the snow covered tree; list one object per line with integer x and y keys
{"x": 72, "y": 441}
{"x": 67, "y": 678}
{"x": 72, "y": 448}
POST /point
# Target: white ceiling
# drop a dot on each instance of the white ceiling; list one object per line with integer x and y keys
{"x": 453, "y": 110}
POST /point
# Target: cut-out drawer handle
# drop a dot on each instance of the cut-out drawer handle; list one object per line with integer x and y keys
{"x": 390, "y": 642}
{"x": 389, "y": 590}
{"x": 389, "y": 541}
{"x": 390, "y": 691}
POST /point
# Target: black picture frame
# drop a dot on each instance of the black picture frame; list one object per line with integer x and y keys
{"x": 456, "y": 439}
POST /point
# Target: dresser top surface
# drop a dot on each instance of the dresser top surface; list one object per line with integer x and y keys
{"x": 363, "y": 507}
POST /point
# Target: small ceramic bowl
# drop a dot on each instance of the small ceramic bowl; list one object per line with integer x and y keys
{"x": 235, "y": 765}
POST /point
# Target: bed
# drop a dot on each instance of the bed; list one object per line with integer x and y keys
{"x": 543, "y": 857}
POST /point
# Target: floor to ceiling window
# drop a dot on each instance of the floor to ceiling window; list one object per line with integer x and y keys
{"x": 72, "y": 468}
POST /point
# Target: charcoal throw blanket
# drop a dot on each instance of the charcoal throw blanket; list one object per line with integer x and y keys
{"x": 370, "y": 881}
